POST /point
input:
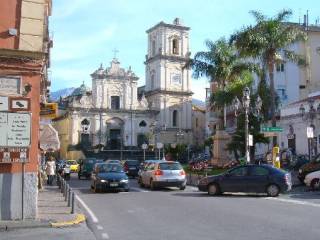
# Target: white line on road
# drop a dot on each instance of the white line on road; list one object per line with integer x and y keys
{"x": 99, "y": 227}
{"x": 105, "y": 236}
{"x": 93, "y": 217}
{"x": 294, "y": 201}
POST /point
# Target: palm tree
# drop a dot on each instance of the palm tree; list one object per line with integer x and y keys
{"x": 266, "y": 40}
{"x": 221, "y": 64}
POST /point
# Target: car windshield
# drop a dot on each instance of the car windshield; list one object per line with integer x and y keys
{"x": 132, "y": 163}
{"x": 170, "y": 166}
{"x": 72, "y": 162}
{"x": 110, "y": 168}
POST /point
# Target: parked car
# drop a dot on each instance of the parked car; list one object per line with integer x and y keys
{"x": 131, "y": 167}
{"x": 312, "y": 166}
{"x": 74, "y": 166}
{"x": 162, "y": 174}
{"x": 114, "y": 161}
{"x": 313, "y": 180}
{"x": 249, "y": 179}
{"x": 86, "y": 167}
{"x": 109, "y": 176}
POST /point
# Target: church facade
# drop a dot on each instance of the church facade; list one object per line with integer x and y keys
{"x": 117, "y": 114}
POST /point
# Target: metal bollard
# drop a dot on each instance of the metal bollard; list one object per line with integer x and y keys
{"x": 62, "y": 184}
{"x": 69, "y": 197}
{"x": 72, "y": 206}
{"x": 66, "y": 192}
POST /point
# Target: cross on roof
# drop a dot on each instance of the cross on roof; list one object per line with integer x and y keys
{"x": 115, "y": 51}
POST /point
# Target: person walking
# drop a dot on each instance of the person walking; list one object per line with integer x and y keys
{"x": 50, "y": 170}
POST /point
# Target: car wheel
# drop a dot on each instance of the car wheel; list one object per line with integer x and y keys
{"x": 95, "y": 189}
{"x": 140, "y": 182}
{"x": 315, "y": 184}
{"x": 183, "y": 187}
{"x": 213, "y": 189}
{"x": 152, "y": 186}
{"x": 273, "y": 190}
{"x": 79, "y": 177}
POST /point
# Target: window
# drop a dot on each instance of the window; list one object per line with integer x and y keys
{"x": 170, "y": 166}
{"x": 85, "y": 125}
{"x": 153, "y": 47}
{"x": 259, "y": 171}
{"x": 280, "y": 67}
{"x": 175, "y": 118}
{"x": 175, "y": 46}
{"x": 142, "y": 124}
{"x": 152, "y": 80}
{"x": 115, "y": 102}
{"x": 239, "y": 172}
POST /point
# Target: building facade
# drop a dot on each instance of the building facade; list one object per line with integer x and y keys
{"x": 117, "y": 114}
{"x": 24, "y": 59}
{"x": 198, "y": 125}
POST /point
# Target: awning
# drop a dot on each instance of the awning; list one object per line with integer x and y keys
{"x": 49, "y": 139}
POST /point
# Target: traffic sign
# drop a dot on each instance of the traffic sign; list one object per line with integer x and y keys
{"x": 271, "y": 129}
{"x": 270, "y": 134}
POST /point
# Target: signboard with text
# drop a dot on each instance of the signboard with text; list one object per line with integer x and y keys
{"x": 14, "y": 155}
{"x": 49, "y": 110}
{"x": 10, "y": 85}
{"x": 15, "y": 129}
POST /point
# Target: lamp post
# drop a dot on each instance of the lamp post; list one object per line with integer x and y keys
{"x": 311, "y": 116}
{"x": 245, "y": 105}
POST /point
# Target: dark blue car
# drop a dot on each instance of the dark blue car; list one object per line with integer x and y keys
{"x": 109, "y": 177}
{"x": 249, "y": 179}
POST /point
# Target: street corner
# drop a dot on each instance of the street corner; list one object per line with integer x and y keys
{"x": 78, "y": 219}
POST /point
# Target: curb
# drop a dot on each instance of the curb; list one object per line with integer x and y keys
{"x": 10, "y": 225}
{"x": 77, "y": 220}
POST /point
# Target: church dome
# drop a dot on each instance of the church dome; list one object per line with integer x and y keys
{"x": 80, "y": 91}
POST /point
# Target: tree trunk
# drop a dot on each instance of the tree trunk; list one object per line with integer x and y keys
{"x": 273, "y": 102}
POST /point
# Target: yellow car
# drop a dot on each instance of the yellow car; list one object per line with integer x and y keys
{"x": 74, "y": 166}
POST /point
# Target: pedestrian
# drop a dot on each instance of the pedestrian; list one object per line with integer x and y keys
{"x": 50, "y": 170}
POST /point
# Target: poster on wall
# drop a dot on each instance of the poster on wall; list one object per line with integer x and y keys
{"x": 10, "y": 85}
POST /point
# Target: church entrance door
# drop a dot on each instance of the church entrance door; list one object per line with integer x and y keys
{"x": 115, "y": 139}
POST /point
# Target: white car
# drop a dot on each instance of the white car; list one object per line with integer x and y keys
{"x": 313, "y": 180}
{"x": 162, "y": 174}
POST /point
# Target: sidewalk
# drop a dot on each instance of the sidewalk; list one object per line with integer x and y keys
{"x": 54, "y": 220}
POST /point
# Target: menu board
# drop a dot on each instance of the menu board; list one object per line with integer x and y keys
{"x": 15, "y": 129}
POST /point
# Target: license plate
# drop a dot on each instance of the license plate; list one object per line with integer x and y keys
{"x": 113, "y": 184}
{"x": 171, "y": 180}
{"x": 132, "y": 168}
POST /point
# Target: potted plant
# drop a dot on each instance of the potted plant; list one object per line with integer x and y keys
{"x": 97, "y": 148}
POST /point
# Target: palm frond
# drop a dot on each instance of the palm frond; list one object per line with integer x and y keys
{"x": 259, "y": 17}
{"x": 283, "y": 15}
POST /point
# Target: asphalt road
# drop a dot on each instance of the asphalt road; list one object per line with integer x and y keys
{"x": 173, "y": 214}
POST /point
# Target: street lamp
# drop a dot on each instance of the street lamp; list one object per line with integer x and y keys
{"x": 245, "y": 105}
{"x": 311, "y": 115}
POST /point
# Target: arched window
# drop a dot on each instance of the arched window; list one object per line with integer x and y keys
{"x": 152, "y": 81}
{"x": 175, "y": 46}
{"x": 153, "y": 47}
{"x": 85, "y": 124}
{"x": 142, "y": 124}
{"x": 175, "y": 118}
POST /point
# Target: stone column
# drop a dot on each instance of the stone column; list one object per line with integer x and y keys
{"x": 220, "y": 154}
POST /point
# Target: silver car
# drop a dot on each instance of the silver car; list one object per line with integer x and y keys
{"x": 162, "y": 174}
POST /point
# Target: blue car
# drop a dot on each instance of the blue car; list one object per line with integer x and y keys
{"x": 106, "y": 177}
{"x": 248, "y": 179}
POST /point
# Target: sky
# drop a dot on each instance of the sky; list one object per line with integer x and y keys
{"x": 86, "y": 32}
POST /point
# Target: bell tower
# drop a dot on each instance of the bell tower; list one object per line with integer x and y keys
{"x": 168, "y": 82}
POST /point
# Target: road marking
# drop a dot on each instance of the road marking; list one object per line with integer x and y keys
{"x": 294, "y": 201}
{"x": 93, "y": 217}
{"x": 105, "y": 235}
{"x": 99, "y": 227}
